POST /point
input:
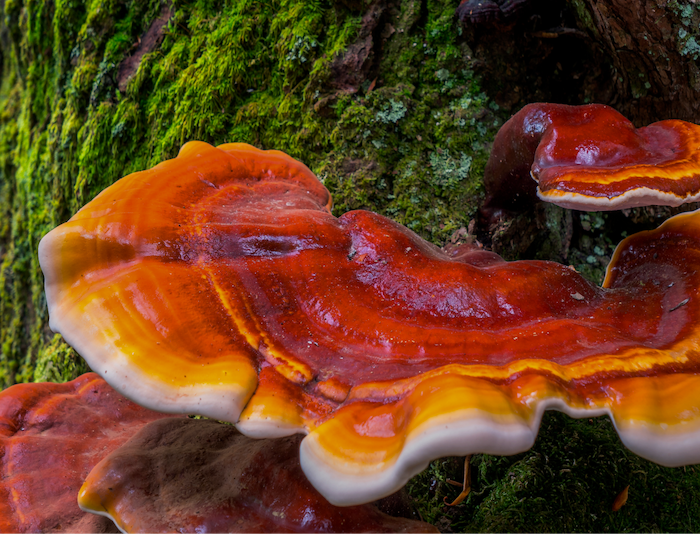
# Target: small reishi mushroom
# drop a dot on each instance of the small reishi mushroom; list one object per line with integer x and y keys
{"x": 51, "y": 436}
{"x": 186, "y": 475}
{"x": 591, "y": 158}
{"x": 219, "y": 283}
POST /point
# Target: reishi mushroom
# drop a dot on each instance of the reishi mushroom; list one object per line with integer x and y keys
{"x": 219, "y": 283}
{"x": 591, "y": 158}
{"x": 186, "y": 475}
{"x": 51, "y": 436}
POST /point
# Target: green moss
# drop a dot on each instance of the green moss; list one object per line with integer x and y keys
{"x": 58, "y": 362}
{"x": 422, "y": 148}
{"x": 583, "y": 16}
{"x": 686, "y": 26}
{"x": 691, "y": 48}
{"x": 565, "y": 483}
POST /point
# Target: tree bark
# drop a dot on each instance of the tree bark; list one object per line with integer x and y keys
{"x": 638, "y": 56}
{"x": 653, "y": 52}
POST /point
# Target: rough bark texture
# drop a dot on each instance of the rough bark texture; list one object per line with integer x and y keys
{"x": 535, "y": 53}
{"x": 640, "y": 57}
{"x": 653, "y": 51}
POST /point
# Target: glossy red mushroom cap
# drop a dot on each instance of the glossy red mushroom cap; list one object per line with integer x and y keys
{"x": 186, "y": 475}
{"x": 592, "y": 158}
{"x": 220, "y": 283}
{"x": 51, "y": 436}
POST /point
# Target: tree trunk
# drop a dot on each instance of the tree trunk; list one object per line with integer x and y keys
{"x": 653, "y": 50}
{"x": 638, "y": 56}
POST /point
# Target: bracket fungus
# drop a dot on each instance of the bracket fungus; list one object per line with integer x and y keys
{"x": 591, "y": 158}
{"x": 186, "y": 475}
{"x": 51, "y": 436}
{"x": 219, "y": 283}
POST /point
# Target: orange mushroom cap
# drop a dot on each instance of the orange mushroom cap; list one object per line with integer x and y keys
{"x": 51, "y": 436}
{"x": 186, "y": 475}
{"x": 592, "y": 158}
{"x": 219, "y": 283}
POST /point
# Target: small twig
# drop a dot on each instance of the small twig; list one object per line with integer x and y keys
{"x": 681, "y": 303}
{"x": 553, "y": 33}
{"x": 466, "y": 485}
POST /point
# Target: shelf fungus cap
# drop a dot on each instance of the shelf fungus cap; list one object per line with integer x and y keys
{"x": 220, "y": 283}
{"x": 591, "y": 158}
{"x": 133, "y": 280}
{"x": 236, "y": 484}
{"x": 51, "y": 436}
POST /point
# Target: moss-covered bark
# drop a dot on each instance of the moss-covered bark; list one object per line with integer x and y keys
{"x": 405, "y": 133}
{"x": 380, "y": 99}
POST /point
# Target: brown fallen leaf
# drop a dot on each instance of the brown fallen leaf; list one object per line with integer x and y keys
{"x": 621, "y": 499}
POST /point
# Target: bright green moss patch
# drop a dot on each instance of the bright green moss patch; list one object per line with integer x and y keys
{"x": 58, "y": 362}
{"x": 419, "y": 163}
